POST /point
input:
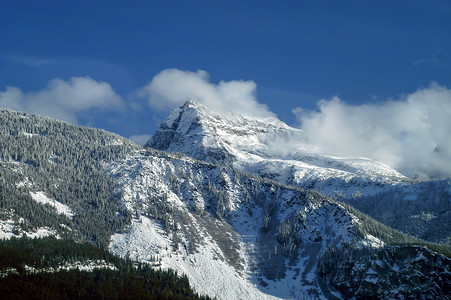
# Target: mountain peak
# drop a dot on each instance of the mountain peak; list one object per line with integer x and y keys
{"x": 186, "y": 128}
{"x": 191, "y": 111}
{"x": 192, "y": 128}
{"x": 262, "y": 145}
{"x": 192, "y": 103}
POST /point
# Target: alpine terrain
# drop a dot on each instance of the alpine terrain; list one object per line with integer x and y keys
{"x": 271, "y": 149}
{"x": 243, "y": 207}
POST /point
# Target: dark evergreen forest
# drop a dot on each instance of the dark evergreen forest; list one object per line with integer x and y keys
{"x": 31, "y": 269}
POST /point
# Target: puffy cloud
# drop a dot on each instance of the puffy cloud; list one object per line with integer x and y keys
{"x": 412, "y": 134}
{"x": 172, "y": 87}
{"x": 63, "y": 100}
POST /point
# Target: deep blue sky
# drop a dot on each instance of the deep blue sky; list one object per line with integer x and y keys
{"x": 297, "y": 52}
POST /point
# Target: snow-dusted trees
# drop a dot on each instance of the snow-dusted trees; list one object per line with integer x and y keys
{"x": 25, "y": 265}
{"x": 65, "y": 162}
{"x": 364, "y": 272}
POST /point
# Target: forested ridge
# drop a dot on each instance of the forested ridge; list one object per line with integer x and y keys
{"x": 395, "y": 272}
{"x": 65, "y": 162}
{"x": 40, "y": 269}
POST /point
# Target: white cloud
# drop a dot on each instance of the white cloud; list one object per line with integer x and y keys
{"x": 172, "y": 87}
{"x": 412, "y": 134}
{"x": 63, "y": 100}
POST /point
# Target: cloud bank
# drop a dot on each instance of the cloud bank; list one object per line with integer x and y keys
{"x": 63, "y": 100}
{"x": 172, "y": 87}
{"x": 411, "y": 134}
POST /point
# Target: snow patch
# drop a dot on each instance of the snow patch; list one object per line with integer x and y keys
{"x": 29, "y": 135}
{"x": 8, "y": 229}
{"x": 145, "y": 241}
{"x": 25, "y": 183}
{"x": 62, "y": 209}
{"x": 371, "y": 241}
{"x": 116, "y": 142}
{"x": 88, "y": 266}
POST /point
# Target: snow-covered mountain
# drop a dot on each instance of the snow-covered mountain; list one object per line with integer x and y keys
{"x": 266, "y": 147}
{"x": 271, "y": 149}
{"x": 236, "y": 235}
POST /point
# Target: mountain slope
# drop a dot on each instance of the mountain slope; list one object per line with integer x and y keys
{"x": 397, "y": 272}
{"x": 234, "y": 234}
{"x": 269, "y": 148}
{"x": 52, "y": 179}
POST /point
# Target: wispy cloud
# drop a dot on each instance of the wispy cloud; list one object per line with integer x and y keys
{"x": 428, "y": 61}
{"x": 172, "y": 87}
{"x": 30, "y": 60}
{"x": 411, "y": 134}
{"x": 63, "y": 100}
